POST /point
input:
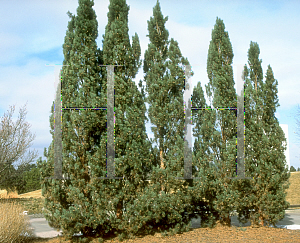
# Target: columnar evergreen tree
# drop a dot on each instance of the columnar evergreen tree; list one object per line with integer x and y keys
{"x": 133, "y": 158}
{"x": 207, "y": 138}
{"x": 68, "y": 205}
{"x": 253, "y": 132}
{"x": 221, "y": 92}
{"x": 276, "y": 178}
{"x": 82, "y": 203}
{"x": 165, "y": 85}
{"x": 263, "y": 197}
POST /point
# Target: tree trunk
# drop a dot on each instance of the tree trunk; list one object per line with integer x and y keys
{"x": 255, "y": 82}
{"x": 261, "y": 218}
{"x": 226, "y": 221}
{"x": 119, "y": 210}
{"x": 161, "y": 166}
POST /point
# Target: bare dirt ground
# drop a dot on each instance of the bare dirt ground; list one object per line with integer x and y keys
{"x": 217, "y": 234}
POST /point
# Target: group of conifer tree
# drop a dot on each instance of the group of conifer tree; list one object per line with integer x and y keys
{"x": 82, "y": 203}
{"x": 293, "y": 169}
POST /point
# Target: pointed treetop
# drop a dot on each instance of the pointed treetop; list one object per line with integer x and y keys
{"x": 219, "y": 60}
{"x": 271, "y": 90}
{"x": 118, "y": 10}
{"x": 87, "y": 23}
{"x": 117, "y": 49}
{"x": 158, "y": 34}
{"x": 254, "y": 62}
{"x": 219, "y": 35}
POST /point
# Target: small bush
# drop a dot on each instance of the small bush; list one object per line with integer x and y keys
{"x": 13, "y": 224}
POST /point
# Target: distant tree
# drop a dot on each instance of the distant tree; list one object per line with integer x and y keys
{"x": 10, "y": 179}
{"x": 15, "y": 139}
{"x": 32, "y": 179}
{"x": 292, "y": 169}
{"x": 298, "y": 169}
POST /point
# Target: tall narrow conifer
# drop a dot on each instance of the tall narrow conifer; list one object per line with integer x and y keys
{"x": 262, "y": 200}
{"x": 164, "y": 77}
{"x": 69, "y": 203}
{"x": 83, "y": 202}
{"x": 220, "y": 90}
{"x": 207, "y": 139}
{"x": 133, "y": 158}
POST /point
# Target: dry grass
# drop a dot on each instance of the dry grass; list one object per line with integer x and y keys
{"x": 13, "y": 223}
{"x": 34, "y": 194}
{"x": 293, "y": 192}
{"x": 3, "y": 194}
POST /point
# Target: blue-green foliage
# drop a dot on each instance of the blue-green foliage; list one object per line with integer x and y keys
{"x": 262, "y": 200}
{"x": 83, "y": 202}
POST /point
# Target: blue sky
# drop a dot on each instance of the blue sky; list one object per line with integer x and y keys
{"x": 32, "y": 34}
